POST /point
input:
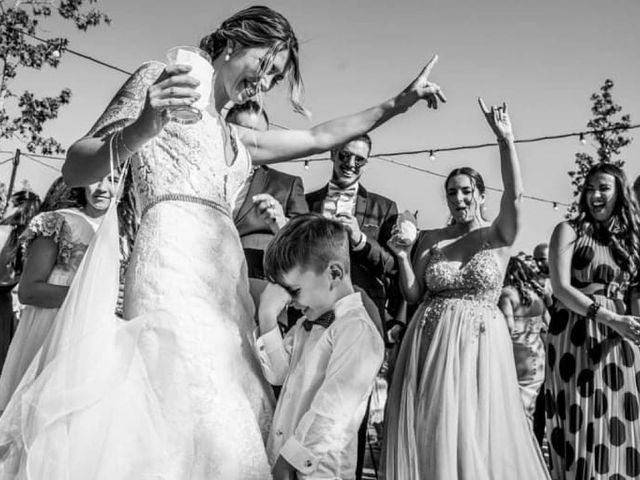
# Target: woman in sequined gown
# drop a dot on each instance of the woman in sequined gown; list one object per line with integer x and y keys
{"x": 187, "y": 263}
{"x": 454, "y": 409}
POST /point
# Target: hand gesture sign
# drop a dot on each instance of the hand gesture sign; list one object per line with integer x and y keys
{"x": 498, "y": 120}
{"x": 423, "y": 89}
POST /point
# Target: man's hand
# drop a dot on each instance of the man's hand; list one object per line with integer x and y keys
{"x": 270, "y": 211}
{"x": 351, "y": 224}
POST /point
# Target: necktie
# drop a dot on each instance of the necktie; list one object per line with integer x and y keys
{"x": 323, "y": 321}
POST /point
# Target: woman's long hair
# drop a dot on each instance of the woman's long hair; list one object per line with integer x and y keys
{"x": 128, "y": 220}
{"x": 477, "y": 182}
{"x": 622, "y": 234}
{"x": 523, "y": 278}
{"x": 260, "y": 26}
{"x": 60, "y": 195}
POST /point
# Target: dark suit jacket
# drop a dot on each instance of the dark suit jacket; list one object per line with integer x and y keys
{"x": 372, "y": 268}
{"x": 255, "y": 233}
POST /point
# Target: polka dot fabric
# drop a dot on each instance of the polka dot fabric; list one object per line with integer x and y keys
{"x": 593, "y": 379}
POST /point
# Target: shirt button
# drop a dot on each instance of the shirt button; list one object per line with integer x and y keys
{"x": 278, "y": 432}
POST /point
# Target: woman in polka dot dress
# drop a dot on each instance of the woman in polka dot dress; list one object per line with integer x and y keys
{"x": 593, "y": 360}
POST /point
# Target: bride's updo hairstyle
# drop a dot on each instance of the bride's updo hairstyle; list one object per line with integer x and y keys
{"x": 477, "y": 182}
{"x": 260, "y": 26}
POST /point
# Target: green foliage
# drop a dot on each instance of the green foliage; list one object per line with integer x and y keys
{"x": 22, "y": 114}
{"x": 608, "y": 123}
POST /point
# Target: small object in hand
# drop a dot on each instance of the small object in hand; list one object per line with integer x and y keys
{"x": 406, "y": 228}
{"x": 202, "y": 70}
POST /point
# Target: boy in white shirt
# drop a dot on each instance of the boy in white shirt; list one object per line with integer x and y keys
{"x": 327, "y": 362}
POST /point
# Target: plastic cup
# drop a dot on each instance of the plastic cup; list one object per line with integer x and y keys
{"x": 201, "y": 69}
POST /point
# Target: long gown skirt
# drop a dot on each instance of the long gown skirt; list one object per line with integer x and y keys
{"x": 592, "y": 390}
{"x": 454, "y": 408}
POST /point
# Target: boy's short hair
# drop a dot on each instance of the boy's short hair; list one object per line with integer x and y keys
{"x": 309, "y": 241}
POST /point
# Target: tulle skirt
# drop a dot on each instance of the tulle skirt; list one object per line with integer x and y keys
{"x": 454, "y": 409}
{"x": 110, "y": 399}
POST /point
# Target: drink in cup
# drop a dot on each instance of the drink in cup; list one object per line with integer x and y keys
{"x": 201, "y": 69}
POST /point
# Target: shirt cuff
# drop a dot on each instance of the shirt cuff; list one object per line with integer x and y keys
{"x": 360, "y": 245}
{"x": 269, "y": 342}
{"x": 299, "y": 457}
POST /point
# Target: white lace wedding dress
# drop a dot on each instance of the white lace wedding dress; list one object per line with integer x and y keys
{"x": 174, "y": 392}
{"x": 188, "y": 261}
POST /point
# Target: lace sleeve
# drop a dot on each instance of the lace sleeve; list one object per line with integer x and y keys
{"x": 127, "y": 104}
{"x": 47, "y": 224}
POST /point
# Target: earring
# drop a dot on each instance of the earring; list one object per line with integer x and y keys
{"x": 227, "y": 57}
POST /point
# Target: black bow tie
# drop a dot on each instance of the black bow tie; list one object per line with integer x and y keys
{"x": 322, "y": 321}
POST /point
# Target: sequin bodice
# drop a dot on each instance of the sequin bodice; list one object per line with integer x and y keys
{"x": 480, "y": 278}
{"x": 191, "y": 160}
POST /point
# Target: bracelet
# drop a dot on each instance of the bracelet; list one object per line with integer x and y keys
{"x": 120, "y": 139}
{"x": 592, "y": 311}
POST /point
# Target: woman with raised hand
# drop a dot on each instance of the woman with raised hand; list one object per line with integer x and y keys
{"x": 454, "y": 409}
{"x": 187, "y": 260}
{"x": 592, "y": 389}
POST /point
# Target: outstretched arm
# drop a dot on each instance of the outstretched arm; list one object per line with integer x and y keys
{"x": 507, "y": 224}
{"x": 278, "y": 145}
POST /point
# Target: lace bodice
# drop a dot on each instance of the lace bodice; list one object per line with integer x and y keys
{"x": 480, "y": 278}
{"x": 192, "y": 160}
{"x": 72, "y": 232}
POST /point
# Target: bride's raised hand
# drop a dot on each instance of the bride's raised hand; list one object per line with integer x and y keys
{"x": 422, "y": 89}
{"x": 498, "y": 119}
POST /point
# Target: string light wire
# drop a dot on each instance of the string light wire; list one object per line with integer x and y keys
{"x": 382, "y": 156}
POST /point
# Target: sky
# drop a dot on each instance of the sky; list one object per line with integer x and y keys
{"x": 543, "y": 58}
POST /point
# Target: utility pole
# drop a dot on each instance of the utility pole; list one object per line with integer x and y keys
{"x": 14, "y": 170}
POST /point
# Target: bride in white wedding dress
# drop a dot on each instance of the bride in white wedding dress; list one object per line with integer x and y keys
{"x": 196, "y": 404}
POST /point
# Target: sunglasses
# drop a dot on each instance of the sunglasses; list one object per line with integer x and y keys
{"x": 344, "y": 156}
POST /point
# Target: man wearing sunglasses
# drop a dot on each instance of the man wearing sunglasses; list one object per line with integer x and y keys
{"x": 369, "y": 218}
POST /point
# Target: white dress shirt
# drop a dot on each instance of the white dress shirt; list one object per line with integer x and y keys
{"x": 328, "y": 374}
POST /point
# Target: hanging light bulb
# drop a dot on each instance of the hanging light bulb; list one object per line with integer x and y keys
{"x": 56, "y": 54}
{"x": 582, "y": 139}
{"x": 306, "y": 164}
{"x": 432, "y": 156}
{"x": 555, "y": 205}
